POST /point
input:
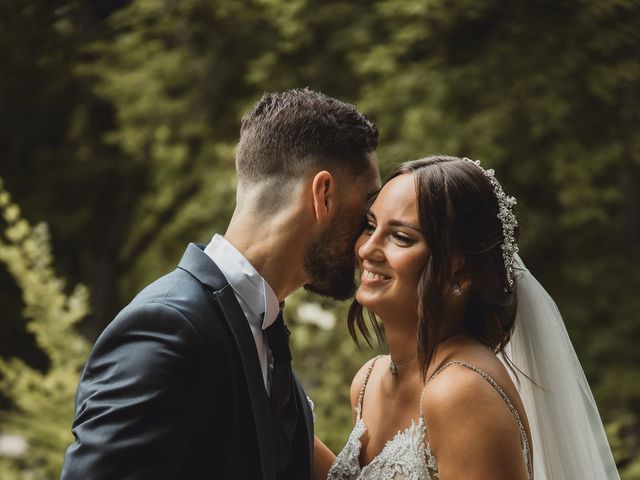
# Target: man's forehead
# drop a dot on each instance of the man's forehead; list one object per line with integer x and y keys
{"x": 373, "y": 176}
{"x": 374, "y": 162}
{"x": 364, "y": 184}
{"x": 372, "y": 197}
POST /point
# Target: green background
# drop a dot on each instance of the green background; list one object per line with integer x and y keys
{"x": 118, "y": 122}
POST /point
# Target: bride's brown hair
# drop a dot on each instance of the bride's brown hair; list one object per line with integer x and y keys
{"x": 458, "y": 213}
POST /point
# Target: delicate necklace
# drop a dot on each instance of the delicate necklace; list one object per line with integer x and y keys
{"x": 393, "y": 366}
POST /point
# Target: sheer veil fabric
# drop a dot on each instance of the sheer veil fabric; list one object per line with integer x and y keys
{"x": 569, "y": 440}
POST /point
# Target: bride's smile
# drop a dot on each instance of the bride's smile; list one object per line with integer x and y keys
{"x": 391, "y": 251}
{"x": 369, "y": 277}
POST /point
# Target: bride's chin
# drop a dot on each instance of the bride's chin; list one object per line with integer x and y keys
{"x": 363, "y": 299}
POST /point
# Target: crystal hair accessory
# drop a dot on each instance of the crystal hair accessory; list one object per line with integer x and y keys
{"x": 507, "y": 218}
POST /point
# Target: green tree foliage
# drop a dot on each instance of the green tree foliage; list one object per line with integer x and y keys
{"x": 176, "y": 93}
{"x": 119, "y": 124}
{"x": 326, "y": 359}
{"x": 43, "y": 401}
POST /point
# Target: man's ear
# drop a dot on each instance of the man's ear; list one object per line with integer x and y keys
{"x": 323, "y": 188}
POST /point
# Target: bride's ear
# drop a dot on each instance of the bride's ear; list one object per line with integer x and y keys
{"x": 462, "y": 279}
{"x": 460, "y": 276}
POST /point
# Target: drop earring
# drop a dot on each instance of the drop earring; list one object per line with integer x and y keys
{"x": 456, "y": 290}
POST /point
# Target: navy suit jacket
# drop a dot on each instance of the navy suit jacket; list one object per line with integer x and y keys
{"x": 173, "y": 389}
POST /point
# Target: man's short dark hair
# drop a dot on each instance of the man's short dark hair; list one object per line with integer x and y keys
{"x": 286, "y": 133}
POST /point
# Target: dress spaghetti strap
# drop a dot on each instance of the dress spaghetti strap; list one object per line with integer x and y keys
{"x": 364, "y": 385}
{"x": 507, "y": 400}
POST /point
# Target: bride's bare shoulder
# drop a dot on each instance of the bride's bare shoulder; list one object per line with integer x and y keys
{"x": 455, "y": 388}
{"x": 468, "y": 425}
{"x": 464, "y": 413}
{"x": 479, "y": 361}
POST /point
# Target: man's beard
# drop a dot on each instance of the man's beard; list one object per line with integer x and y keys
{"x": 330, "y": 263}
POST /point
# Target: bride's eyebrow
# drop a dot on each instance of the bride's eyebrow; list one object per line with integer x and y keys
{"x": 401, "y": 223}
{"x": 396, "y": 223}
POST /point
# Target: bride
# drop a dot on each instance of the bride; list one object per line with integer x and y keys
{"x": 481, "y": 380}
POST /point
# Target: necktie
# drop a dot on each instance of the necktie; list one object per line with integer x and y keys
{"x": 282, "y": 395}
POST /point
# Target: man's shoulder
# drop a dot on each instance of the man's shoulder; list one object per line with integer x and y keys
{"x": 174, "y": 301}
{"x": 171, "y": 286}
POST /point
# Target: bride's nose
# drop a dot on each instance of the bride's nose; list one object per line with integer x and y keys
{"x": 370, "y": 248}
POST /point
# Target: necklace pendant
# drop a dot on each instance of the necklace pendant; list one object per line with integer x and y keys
{"x": 393, "y": 370}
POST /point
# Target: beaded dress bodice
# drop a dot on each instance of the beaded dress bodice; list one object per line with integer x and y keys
{"x": 406, "y": 456}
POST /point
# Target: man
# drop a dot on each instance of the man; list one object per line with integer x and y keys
{"x": 193, "y": 379}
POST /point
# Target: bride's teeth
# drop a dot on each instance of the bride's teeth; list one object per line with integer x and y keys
{"x": 372, "y": 276}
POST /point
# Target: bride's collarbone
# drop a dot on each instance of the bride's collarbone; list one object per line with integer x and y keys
{"x": 385, "y": 414}
{"x": 395, "y": 398}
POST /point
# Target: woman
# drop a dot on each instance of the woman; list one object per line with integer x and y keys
{"x": 439, "y": 268}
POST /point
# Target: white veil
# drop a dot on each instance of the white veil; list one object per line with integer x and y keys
{"x": 569, "y": 442}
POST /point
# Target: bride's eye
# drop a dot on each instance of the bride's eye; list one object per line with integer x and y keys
{"x": 403, "y": 239}
{"x": 369, "y": 228}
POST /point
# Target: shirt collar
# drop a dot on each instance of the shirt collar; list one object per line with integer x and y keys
{"x": 246, "y": 282}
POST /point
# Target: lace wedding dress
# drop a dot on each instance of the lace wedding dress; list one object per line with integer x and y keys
{"x": 405, "y": 456}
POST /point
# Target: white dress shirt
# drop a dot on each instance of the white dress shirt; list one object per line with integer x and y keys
{"x": 256, "y": 298}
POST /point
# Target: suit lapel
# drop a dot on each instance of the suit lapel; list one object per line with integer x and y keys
{"x": 308, "y": 422}
{"x": 232, "y": 313}
{"x": 200, "y": 265}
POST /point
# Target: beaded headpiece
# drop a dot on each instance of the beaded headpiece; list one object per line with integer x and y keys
{"x": 507, "y": 218}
